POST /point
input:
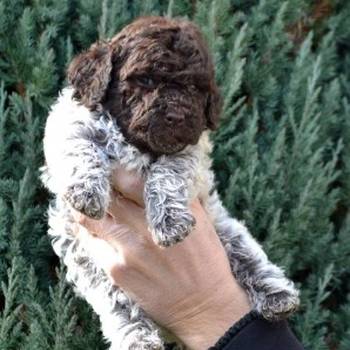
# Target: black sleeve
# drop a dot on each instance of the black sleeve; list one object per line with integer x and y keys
{"x": 253, "y": 332}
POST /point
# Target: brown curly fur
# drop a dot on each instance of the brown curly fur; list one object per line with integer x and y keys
{"x": 156, "y": 78}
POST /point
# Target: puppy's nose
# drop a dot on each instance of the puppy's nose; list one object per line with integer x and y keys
{"x": 173, "y": 119}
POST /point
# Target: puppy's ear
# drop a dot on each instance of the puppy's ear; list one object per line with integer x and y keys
{"x": 89, "y": 74}
{"x": 213, "y": 108}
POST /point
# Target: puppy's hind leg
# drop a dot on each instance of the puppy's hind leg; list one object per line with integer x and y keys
{"x": 123, "y": 322}
{"x": 129, "y": 329}
{"x": 269, "y": 291}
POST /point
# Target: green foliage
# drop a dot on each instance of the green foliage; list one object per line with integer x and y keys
{"x": 281, "y": 154}
{"x": 10, "y": 324}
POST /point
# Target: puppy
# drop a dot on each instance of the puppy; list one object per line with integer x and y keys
{"x": 145, "y": 100}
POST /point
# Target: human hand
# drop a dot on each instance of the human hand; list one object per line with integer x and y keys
{"x": 187, "y": 288}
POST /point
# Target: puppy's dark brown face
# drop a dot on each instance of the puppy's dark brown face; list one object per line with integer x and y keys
{"x": 161, "y": 86}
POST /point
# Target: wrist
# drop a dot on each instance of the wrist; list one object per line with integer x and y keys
{"x": 201, "y": 324}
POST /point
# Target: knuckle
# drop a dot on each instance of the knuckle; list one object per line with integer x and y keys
{"x": 119, "y": 270}
{"x": 83, "y": 220}
{"x": 80, "y": 218}
{"x": 127, "y": 259}
{"x": 145, "y": 246}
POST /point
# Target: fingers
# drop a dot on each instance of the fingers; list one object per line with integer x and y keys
{"x": 129, "y": 213}
{"x": 126, "y": 229}
{"x": 125, "y": 212}
{"x": 116, "y": 247}
{"x": 123, "y": 216}
{"x": 99, "y": 228}
{"x": 105, "y": 255}
{"x": 129, "y": 184}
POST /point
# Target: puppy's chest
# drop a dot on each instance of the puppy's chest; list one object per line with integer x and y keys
{"x": 131, "y": 158}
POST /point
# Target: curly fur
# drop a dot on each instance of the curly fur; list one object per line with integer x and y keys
{"x": 85, "y": 138}
{"x": 156, "y": 78}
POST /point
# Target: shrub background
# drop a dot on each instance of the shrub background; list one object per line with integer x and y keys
{"x": 281, "y": 155}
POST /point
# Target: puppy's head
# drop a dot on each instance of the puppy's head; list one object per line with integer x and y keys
{"x": 156, "y": 78}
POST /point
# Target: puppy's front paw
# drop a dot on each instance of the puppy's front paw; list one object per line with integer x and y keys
{"x": 85, "y": 200}
{"x": 280, "y": 305}
{"x": 173, "y": 227}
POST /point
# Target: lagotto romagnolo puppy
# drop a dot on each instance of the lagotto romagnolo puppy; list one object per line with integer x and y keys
{"x": 145, "y": 100}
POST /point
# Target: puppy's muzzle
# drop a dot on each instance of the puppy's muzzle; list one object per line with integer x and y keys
{"x": 174, "y": 119}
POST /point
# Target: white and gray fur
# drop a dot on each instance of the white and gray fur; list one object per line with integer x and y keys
{"x": 81, "y": 149}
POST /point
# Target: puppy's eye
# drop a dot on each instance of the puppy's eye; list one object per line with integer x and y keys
{"x": 145, "y": 82}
